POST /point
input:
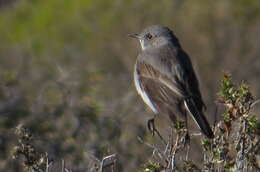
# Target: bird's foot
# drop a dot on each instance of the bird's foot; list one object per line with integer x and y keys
{"x": 151, "y": 126}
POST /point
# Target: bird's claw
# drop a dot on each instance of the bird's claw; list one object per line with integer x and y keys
{"x": 151, "y": 126}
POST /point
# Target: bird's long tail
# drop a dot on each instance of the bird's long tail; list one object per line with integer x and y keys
{"x": 198, "y": 117}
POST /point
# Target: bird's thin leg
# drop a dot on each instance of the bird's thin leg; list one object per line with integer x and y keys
{"x": 151, "y": 127}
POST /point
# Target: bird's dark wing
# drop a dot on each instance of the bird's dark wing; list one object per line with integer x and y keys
{"x": 187, "y": 78}
{"x": 173, "y": 68}
{"x": 163, "y": 94}
{"x": 167, "y": 76}
{"x": 194, "y": 103}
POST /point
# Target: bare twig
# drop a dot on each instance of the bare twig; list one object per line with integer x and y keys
{"x": 108, "y": 163}
{"x": 160, "y": 154}
{"x": 255, "y": 103}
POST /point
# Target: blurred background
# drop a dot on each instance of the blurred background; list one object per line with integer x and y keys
{"x": 66, "y": 70}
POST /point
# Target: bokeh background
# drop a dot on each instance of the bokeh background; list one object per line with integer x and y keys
{"x": 66, "y": 70}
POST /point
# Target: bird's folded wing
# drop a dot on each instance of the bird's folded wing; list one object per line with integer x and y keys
{"x": 147, "y": 73}
{"x": 174, "y": 71}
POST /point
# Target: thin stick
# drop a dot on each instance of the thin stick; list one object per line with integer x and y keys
{"x": 160, "y": 154}
{"x": 160, "y": 136}
{"x": 255, "y": 103}
{"x": 47, "y": 164}
{"x": 62, "y": 165}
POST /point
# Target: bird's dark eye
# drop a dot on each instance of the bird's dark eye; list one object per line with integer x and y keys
{"x": 149, "y": 36}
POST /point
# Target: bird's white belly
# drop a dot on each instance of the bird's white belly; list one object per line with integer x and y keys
{"x": 143, "y": 94}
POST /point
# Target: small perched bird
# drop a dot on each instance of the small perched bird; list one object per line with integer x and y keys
{"x": 165, "y": 79}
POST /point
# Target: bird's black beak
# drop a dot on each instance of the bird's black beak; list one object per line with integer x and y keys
{"x": 134, "y": 36}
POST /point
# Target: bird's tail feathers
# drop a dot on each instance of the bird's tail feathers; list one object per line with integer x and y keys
{"x": 198, "y": 117}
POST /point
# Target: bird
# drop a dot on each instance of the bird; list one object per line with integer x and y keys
{"x": 165, "y": 79}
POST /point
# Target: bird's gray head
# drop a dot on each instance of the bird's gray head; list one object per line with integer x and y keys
{"x": 155, "y": 36}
